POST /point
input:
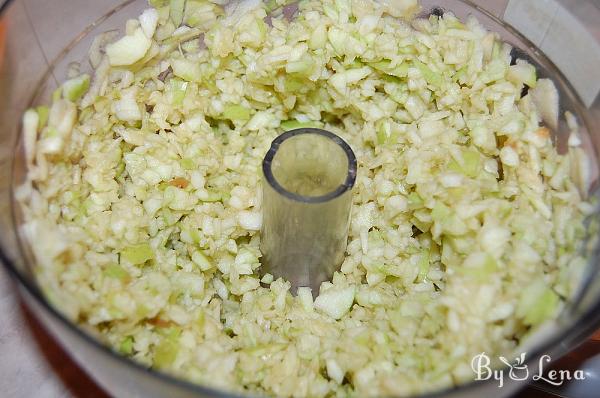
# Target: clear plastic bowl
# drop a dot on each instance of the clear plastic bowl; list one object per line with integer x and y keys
{"x": 38, "y": 41}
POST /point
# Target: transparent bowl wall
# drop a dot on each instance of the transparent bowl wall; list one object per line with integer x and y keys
{"x": 38, "y": 40}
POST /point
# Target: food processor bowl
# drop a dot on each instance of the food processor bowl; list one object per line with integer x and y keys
{"x": 39, "y": 40}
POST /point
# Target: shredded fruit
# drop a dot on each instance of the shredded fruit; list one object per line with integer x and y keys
{"x": 143, "y": 200}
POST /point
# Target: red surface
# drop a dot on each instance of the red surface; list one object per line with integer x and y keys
{"x": 571, "y": 362}
{"x": 77, "y": 382}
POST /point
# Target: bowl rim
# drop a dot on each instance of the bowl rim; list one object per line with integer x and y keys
{"x": 560, "y": 343}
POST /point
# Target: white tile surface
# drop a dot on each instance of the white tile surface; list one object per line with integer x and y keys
{"x": 531, "y": 18}
{"x": 32, "y": 365}
{"x": 57, "y": 22}
{"x": 25, "y": 62}
{"x": 556, "y": 28}
{"x": 576, "y": 53}
{"x": 26, "y": 374}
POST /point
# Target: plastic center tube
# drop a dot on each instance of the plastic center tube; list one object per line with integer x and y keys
{"x": 307, "y": 196}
